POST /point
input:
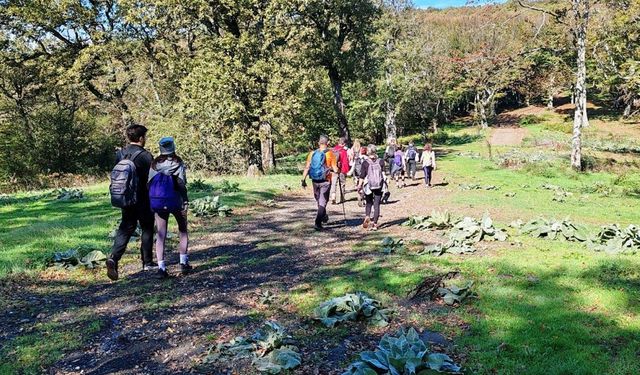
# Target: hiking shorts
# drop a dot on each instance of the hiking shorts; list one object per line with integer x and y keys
{"x": 396, "y": 170}
{"x": 180, "y": 218}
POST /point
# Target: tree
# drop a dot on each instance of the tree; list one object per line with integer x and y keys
{"x": 575, "y": 15}
{"x": 336, "y": 35}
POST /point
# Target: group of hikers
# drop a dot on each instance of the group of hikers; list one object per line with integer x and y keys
{"x": 328, "y": 168}
{"x": 148, "y": 190}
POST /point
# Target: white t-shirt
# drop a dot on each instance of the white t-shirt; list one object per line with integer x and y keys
{"x": 429, "y": 159}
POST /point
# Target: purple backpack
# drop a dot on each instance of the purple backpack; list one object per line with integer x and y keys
{"x": 163, "y": 195}
{"x": 398, "y": 159}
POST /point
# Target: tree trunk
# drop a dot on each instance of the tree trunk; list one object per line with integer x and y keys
{"x": 338, "y": 102}
{"x": 580, "y": 120}
{"x": 627, "y": 110}
{"x": 390, "y": 121}
{"x": 267, "y": 147}
{"x": 484, "y": 123}
{"x": 550, "y": 101}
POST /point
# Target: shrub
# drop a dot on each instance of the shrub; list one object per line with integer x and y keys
{"x": 531, "y": 120}
{"x": 560, "y": 127}
{"x": 630, "y": 183}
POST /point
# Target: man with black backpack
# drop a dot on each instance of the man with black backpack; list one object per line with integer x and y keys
{"x": 412, "y": 158}
{"x": 129, "y": 193}
{"x": 320, "y": 165}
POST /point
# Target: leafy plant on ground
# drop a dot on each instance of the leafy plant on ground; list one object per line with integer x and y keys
{"x": 436, "y": 220}
{"x": 352, "y": 307}
{"x": 65, "y": 194}
{"x": 465, "y": 233}
{"x": 199, "y": 185}
{"x": 71, "y": 259}
{"x": 428, "y": 287}
{"x": 402, "y": 354}
{"x": 114, "y": 231}
{"x": 227, "y": 186}
{"x": 266, "y": 297}
{"x": 453, "y": 294}
{"x": 270, "y": 347}
{"x": 613, "y": 239}
{"x": 389, "y": 245}
{"x": 561, "y": 196}
{"x": 555, "y": 229}
{"x": 516, "y": 158}
{"x": 477, "y": 187}
{"x": 209, "y": 206}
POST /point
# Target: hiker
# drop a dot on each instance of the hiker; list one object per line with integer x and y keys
{"x": 321, "y": 165}
{"x": 428, "y": 161}
{"x": 357, "y": 167}
{"x": 354, "y": 155}
{"x": 411, "y": 158}
{"x": 129, "y": 192}
{"x": 371, "y": 183}
{"x": 398, "y": 167}
{"x": 168, "y": 195}
{"x": 339, "y": 182}
{"x": 389, "y": 153}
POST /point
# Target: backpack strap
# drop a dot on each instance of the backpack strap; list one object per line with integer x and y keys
{"x": 135, "y": 155}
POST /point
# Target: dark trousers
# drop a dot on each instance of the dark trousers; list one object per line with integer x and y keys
{"x": 412, "y": 168}
{"x": 130, "y": 218}
{"x": 321, "y": 191}
{"x": 427, "y": 175}
{"x": 373, "y": 201}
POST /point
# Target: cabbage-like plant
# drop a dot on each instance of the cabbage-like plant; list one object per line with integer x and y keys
{"x": 613, "y": 239}
{"x": 470, "y": 230}
{"x": 436, "y": 220}
{"x": 270, "y": 347}
{"x": 555, "y": 229}
{"x": 402, "y": 354}
{"x": 209, "y": 206}
{"x": 352, "y": 306}
{"x": 65, "y": 194}
{"x": 389, "y": 245}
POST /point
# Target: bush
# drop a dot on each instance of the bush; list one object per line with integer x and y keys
{"x": 531, "y": 120}
{"x": 560, "y": 127}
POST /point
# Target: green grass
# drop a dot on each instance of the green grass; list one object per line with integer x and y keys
{"x": 47, "y": 342}
{"x": 31, "y": 231}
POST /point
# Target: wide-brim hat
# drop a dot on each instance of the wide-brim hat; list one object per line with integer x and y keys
{"x": 167, "y": 146}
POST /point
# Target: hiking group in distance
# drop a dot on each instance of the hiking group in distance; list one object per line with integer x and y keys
{"x": 328, "y": 169}
{"x": 148, "y": 190}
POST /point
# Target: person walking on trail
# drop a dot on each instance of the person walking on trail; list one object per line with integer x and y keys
{"x": 168, "y": 196}
{"x": 412, "y": 158}
{"x": 371, "y": 183}
{"x": 389, "y": 154}
{"x": 338, "y": 184}
{"x": 399, "y": 167}
{"x": 354, "y": 154}
{"x": 129, "y": 192}
{"x": 356, "y": 169}
{"x": 428, "y": 161}
{"x": 321, "y": 163}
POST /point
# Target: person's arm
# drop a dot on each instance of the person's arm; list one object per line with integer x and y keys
{"x": 364, "y": 168}
{"x": 305, "y": 173}
{"x": 433, "y": 159}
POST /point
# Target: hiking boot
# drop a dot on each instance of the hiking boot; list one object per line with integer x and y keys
{"x": 162, "y": 274}
{"x": 185, "y": 268}
{"x": 365, "y": 223}
{"x": 112, "y": 269}
{"x": 150, "y": 266}
{"x": 318, "y": 227}
{"x": 374, "y": 227}
{"x": 325, "y": 219}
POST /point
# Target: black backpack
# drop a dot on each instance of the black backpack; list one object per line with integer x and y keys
{"x": 124, "y": 183}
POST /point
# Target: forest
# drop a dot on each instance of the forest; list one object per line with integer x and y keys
{"x": 247, "y": 82}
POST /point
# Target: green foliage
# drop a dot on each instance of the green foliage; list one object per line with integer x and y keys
{"x": 531, "y": 120}
{"x": 612, "y": 239}
{"x": 199, "y": 185}
{"x": 630, "y": 183}
{"x": 555, "y": 229}
{"x": 71, "y": 259}
{"x": 65, "y": 194}
{"x": 464, "y": 233}
{"x": 229, "y": 187}
{"x": 402, "y": 354}
{"x": 436, "y": 220}
{"x": 270, "y": 347}
{"x": 209, "y": 206}
{"x": 352, "y": 307}
{"x": 454, "y": 294}
{"x": 477, "y": 187}
{"x": 389, "y": 245}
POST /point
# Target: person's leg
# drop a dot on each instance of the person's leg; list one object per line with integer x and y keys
{"x": 161, "y": 223}
{"x": 429, "y": 172}
{"x": 343, "y": 187}
{"x": 377, "y": 198}
{"x": 181, "y": 218}
{"x": 426, "y": 175}
{"x": 127, "y": 226}
{"x": 146, "y": 219}
{"x": 334, "y": 179}
{"x": 321, "y": 192}
{"x": 367, "y": 210}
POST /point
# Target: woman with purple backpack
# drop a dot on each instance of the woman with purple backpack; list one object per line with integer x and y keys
{"x": 168, "y": 195}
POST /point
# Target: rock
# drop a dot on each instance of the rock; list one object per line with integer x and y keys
{"x": 254, "y": 171}
{"x": 436, "y": 338}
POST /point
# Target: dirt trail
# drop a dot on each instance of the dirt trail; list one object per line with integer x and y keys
{"x": 275, "y": 249}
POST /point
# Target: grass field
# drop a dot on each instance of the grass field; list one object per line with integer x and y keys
{"x": 543, "y": 307}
